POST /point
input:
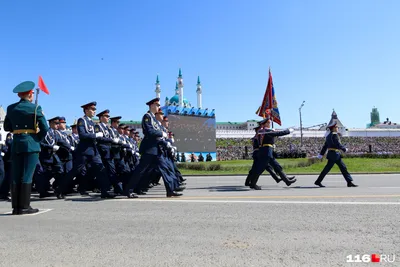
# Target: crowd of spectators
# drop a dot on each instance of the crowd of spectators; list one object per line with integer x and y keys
{"x": 241, "y": 148}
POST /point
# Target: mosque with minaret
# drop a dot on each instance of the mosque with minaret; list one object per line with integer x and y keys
{"x": 178, "y": 100}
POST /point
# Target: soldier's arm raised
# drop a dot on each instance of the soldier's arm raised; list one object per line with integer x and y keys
{"x": 274, "y": 133}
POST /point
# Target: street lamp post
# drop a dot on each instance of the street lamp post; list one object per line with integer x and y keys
{"x": 301, "y": 126}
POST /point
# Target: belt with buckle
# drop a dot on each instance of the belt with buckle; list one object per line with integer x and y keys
{"x": 334, "y": 149}
{"x": 267, "y": 145}
{"x": 24, "y": 131}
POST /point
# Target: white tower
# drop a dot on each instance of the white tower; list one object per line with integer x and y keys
{"x": 158, "y": 88}
{"x": 180, "y": 88}
{"x": 198, "y": 91}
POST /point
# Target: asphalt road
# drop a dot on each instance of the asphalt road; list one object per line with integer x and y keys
{"x": 218, "y": 222}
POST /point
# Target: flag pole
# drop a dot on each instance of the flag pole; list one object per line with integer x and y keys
{"x": 37, "y": 104}
{"x": 37, "y": 96}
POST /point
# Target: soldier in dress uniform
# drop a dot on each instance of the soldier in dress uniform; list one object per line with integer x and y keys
{"x": 125, "y": 146}
{"x": 66, "y": 148}
{"x": 28, "y": 125}
{"x": 167, "y": 154}
{"x": 172, "y": 151}
{"x": 129, "y": 148}
{"x": 333, "y": 145}
{"x": 136, "y": 154}
{"x": 104, "y": 146}
{"x": 51, "y": 165}
{"x": 74, "y": 140}
{"x": 266, "y": 138}
{"x": 133, "y": 160}
{"x": 116, "y": 150}
{"x": 88, "y": 154}
{"x": 150, "y": 154}
{"x": 74, "y": 136}
{"x": 256, "y": 146}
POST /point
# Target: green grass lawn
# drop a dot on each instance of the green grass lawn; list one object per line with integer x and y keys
{"x": 354, "y": 165}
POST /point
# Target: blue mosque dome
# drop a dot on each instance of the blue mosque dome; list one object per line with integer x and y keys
{"x": 175, "y": 101}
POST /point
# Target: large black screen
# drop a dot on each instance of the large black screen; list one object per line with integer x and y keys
{"x": 193, "y": 134}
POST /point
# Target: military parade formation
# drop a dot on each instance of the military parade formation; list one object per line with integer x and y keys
{"x": 106, "y": 156}
{"x": 95, "y": 157}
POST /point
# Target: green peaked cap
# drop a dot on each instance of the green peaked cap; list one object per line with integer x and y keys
{"x": 24, "y": 87}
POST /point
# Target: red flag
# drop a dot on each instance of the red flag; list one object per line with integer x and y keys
{"x": 267, "y": 100}
{"x": 42, "y": 86}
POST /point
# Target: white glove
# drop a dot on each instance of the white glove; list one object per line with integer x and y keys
{"x": 72, "y": 148}
{"x": 169, "y": 145}
{"x": 2, "y": 154}
{"x": 291, "y": 130}
{"x": 173, "y": 140}
{"x": 99, "y": 135}
{"x": 115, "y": 140}
{"x": 137, "y": 154}
{"x": 319, "y": 156}
{"x": 56, "y": 148}
{"x": 124, "y": 142}
{"x": 164, "y": 134}
{"x": 131, "y": 146}
{"x": 273, "y": 129}
{"x": 346, "y": 149}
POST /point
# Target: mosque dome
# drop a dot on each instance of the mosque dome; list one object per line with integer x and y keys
{"x": 174, "y": 101}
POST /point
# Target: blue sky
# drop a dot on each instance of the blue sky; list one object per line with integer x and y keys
{"x": 332, "y": 54}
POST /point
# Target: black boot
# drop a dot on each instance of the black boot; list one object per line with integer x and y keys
{"x": 15, "y": 192}
{"x": 350, "y": 184}
{"x": 25, "y": 199}
{"x": 275, "y": 177}
{"x": 255, "y": 187}
{"x": 285, "y": 178}
{"x": 180, "y": 188}
{"x": 173, "y": 194}
{"x": 247, "y": 181}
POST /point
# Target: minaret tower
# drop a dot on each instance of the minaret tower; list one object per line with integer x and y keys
{"x": 198, "y": 91}
{"x": 180, "y": 88}
{"x": 176, "y": 88}
{"x": 158, "y": 88}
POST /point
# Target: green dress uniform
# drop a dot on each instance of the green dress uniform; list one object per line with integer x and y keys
{"x": 28, "y": 125}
